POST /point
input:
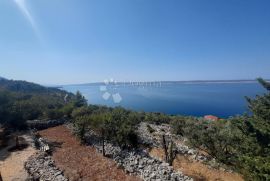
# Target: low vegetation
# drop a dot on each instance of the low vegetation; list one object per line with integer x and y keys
{"x": 115, "y": 125}
{"x": 241, "y": 142}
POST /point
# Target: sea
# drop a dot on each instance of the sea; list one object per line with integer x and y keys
{"x": 219, "y": 98}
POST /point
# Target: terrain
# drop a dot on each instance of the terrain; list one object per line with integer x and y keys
{"x": 12, "y": 161}
{"x": 99, "y": 142}
{"x": 198, "y": 170}
{"x": 79, "y": 161}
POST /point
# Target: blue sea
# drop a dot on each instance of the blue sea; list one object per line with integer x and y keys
{"x": 222, "y": 99}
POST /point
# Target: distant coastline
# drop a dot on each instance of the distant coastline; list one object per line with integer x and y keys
{"x": 170, "y": 82}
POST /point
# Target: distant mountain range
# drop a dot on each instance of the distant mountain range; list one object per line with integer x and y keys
{"x": 173, "y": 82}
{"x": 2, "y": 78}
{"x": 163, "y": 82}
{"x": 19, "y": 86}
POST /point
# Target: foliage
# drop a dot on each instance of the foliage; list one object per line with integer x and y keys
{"x": 81, "y": 111}
{"x": 80, "y": 129}
{"x": 215, "y": 138}
{"x": 115, "y": 125}
{"x": 242, "y": 142}
{"x": 156, "y": 118}
{"x": 256, "y": 128}
{"x": 264, "y": 83}
{"x": 80, "y": 100}
{"x": 21, "y": 101}
{"x": 181, "y": 125}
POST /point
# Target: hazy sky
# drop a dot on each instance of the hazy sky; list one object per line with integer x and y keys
{"x": 77, "y": 41}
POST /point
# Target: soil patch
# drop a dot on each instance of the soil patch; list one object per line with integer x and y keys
{"x": 81, "y": 162}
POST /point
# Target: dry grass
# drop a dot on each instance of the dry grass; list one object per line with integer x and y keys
{"x": 82, "y": 162}
{"x": 197, "y": 170}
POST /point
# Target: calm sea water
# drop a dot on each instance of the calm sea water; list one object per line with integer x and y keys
{"x": 197, "y": 99}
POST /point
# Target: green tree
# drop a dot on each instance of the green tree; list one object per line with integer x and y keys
{"x": 80, "y": 100}
{"x": 81, "y": 128}
{"x": 255, "y": 154}
{"x": 98, "y": 123}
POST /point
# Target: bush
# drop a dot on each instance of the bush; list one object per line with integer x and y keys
{"x": 116, "y": 125}
{"x": 80, "y": 128}
{"x": 242, "y": 142}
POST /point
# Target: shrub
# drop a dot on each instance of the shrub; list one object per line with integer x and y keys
{"x": 242, "y": 142}
{"x": 80, "y": 128}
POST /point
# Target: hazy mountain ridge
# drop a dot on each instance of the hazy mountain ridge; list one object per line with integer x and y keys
{"x": 2, "y": 78}
{"x": 170, "y": 82}
{"x": 27, "y": 87}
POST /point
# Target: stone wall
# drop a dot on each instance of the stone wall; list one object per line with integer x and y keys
{"x": 44, "y": 124}
{"x": 138, "y": 162}
{"x": 41, "y": 167}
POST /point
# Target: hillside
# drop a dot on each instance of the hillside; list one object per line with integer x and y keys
{"x": 2, "y": 78}
{"x": 21, "y": 101}
{"x": 27, "y": 87}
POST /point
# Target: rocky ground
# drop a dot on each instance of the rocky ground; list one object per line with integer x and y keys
{"x": 190, "y": 161}
{"x": 40, "y": 166}
{"x": 154, "y": 140}
{"x": 139, "y": 162}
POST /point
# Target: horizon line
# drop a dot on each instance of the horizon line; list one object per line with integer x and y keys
{"x": 154, "y": 81}
{"x": 169, "y": 81}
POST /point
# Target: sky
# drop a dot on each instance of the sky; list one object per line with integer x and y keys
{"x": 81, "y": 41}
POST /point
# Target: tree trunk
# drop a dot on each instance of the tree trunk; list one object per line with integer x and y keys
{"x": 103, "y": 147}
{"x": 17, "y": 142}
{"x": 165, "y": 148}
{"x": 103, "y": 144}
{"x": 171, "y": 154}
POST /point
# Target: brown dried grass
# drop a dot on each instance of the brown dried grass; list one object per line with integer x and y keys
{"x": 81, "y": 162}
{"x": 197, "y": 170}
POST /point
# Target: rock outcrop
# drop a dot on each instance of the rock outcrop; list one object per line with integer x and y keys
{"x": 154, "y": 140}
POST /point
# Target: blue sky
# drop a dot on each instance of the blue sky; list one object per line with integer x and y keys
{"x": 78, "y": 41}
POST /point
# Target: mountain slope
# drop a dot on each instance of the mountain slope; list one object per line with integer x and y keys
{"x": 21, "y": 101}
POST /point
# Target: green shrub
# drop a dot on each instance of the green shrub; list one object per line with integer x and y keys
{"x": 242, "y": 142}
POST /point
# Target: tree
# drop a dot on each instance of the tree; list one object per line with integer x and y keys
{"x": 256, "y": 129}
{"x": 264, "y": 83}
{"x": 258, "y": 124}
{"x": 123, "y": 127}
{"x": 98, "y": 123}
{"x": 115, "y": 125}
{"x": 216, "y": 138}
{"x": 80, "y": 128}
{"x": 80, "y": 100}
